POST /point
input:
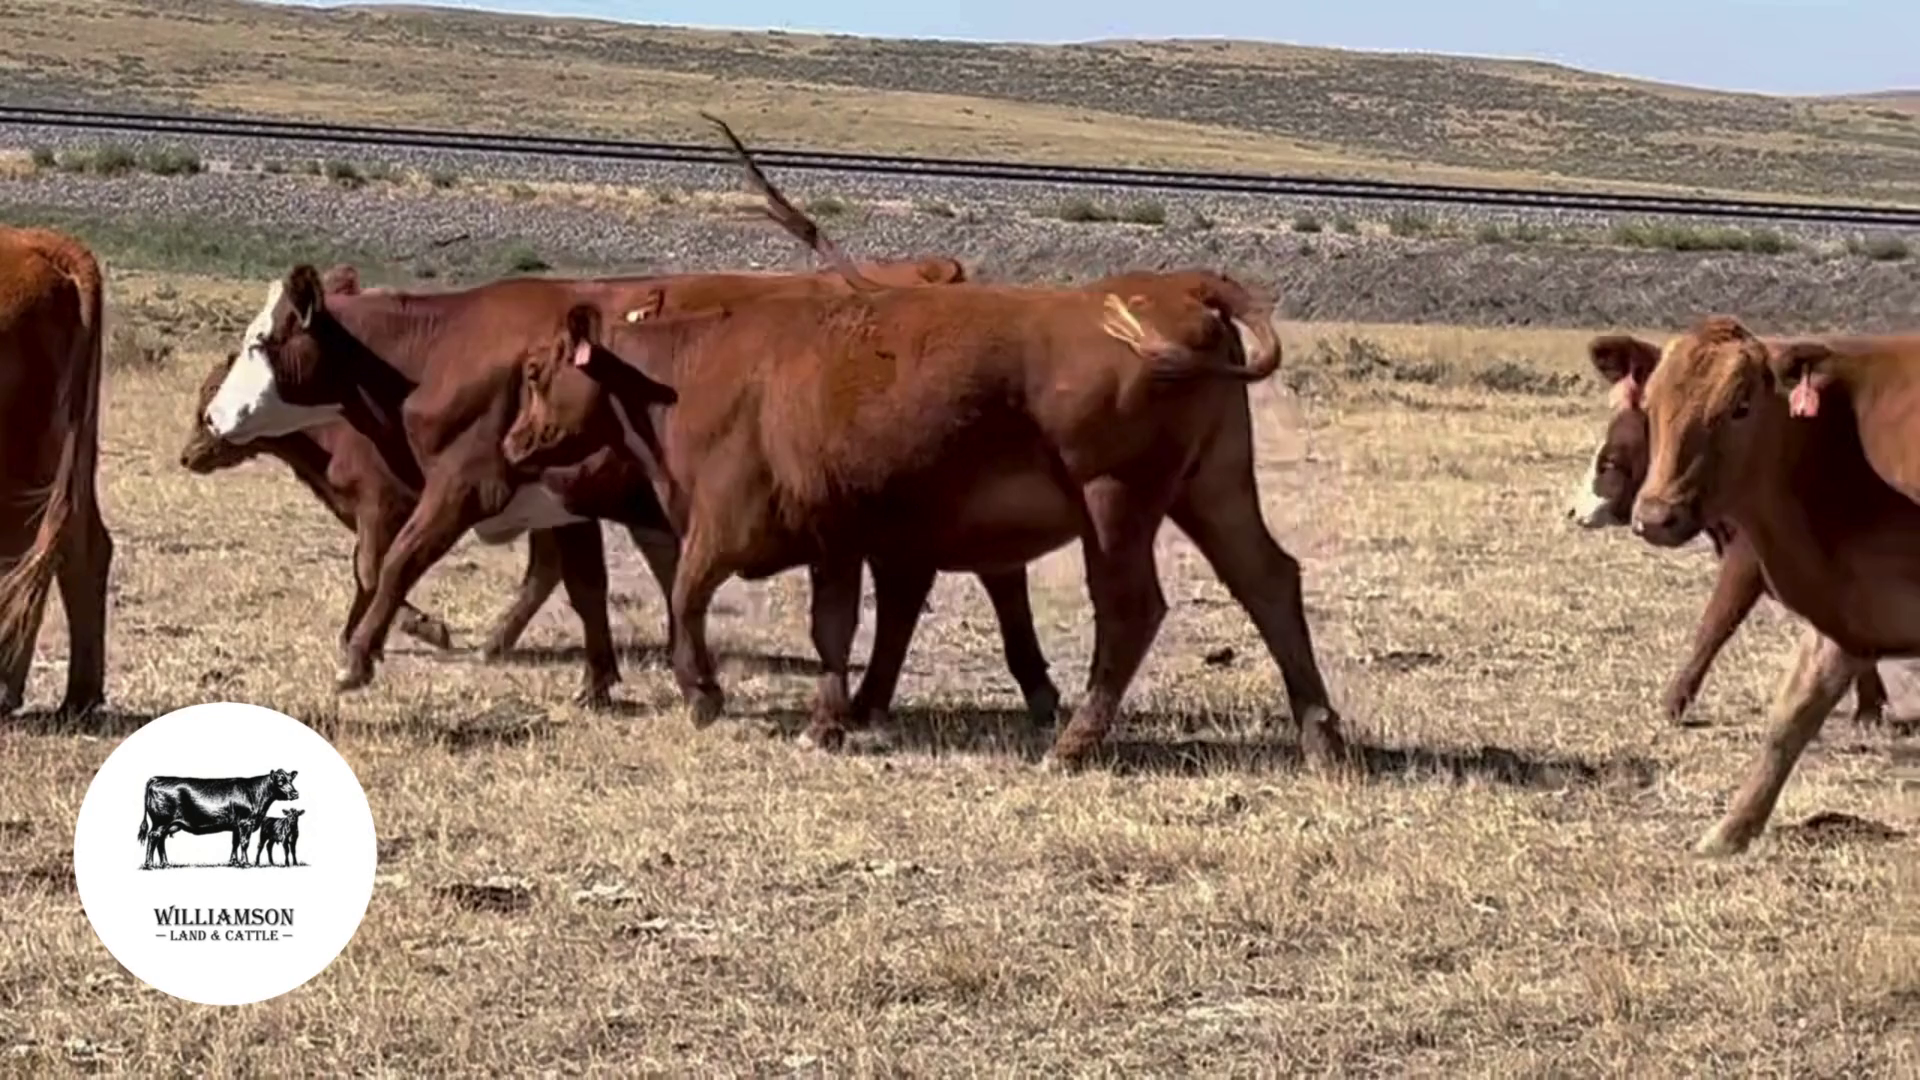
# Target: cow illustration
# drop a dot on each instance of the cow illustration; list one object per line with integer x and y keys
{"x": 200, "y": 806}
{"x": 283, "y": 830}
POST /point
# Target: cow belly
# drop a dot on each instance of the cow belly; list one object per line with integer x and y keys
{"x": 533, "y": 506}
{"x": 997, "y": 523}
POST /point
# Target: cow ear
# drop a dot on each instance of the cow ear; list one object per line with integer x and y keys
{"x": 291, "y": 773}
{"x": 583, "y": 333}
{"x": 343, "y": 280}
{"x": 1789, "y": 363}
{"x": 305, "y": 293}
{"x": 1623, "y": 356}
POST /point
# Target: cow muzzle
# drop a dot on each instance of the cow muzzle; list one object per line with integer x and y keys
{"x": 1589, "y": 511}
{"x": 1665, "y": 522}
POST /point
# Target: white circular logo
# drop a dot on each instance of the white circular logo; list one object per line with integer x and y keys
{"x": 224, "y": 853}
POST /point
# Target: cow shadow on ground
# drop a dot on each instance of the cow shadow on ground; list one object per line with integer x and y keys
{"x": 650, "y": 655}
{"x": 105, "y": 723}
{"x": 1012, "y": 733}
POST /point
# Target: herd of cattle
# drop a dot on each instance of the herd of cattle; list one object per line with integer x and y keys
{"x": 900, "y": 418}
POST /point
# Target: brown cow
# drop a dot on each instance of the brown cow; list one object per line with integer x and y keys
{"x": 1838, "y": 546}
{"x": 1605, "y": 497}
{"x": 50, "y": 530}
{"x": 434, "y": 380}
{"x": 1877, "y": 376}
{"x": 345, "y": 472}
{"x": 971, "y": 427}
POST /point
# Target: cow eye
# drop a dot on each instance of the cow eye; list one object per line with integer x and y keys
{"x": 1742, "y": 407}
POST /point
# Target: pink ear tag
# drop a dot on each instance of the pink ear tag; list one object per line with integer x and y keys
{"x": 1804, "y": 400}
{"x": 583, "y": 354}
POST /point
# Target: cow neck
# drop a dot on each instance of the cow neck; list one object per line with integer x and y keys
{"x": 381, "y": 341}
{"x": 261, "y": 788}
{"x": 303, "y": 454}
{"x": 1874, "y": 377}
{"x": 1815, "y": 491}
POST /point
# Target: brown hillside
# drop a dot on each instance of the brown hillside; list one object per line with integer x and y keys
{"x": 1198, "y": 103}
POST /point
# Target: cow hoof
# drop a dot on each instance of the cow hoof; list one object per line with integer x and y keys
{"x": 495, "y": 650}
{"x": 594, "y": 697}
{"x": 1056, "y": 764}
{"x": 9, "y": 702}
{"x": 827, "y": 738}
{"x": 1043, "y": 706}
{"x": 1720, "y": 843}
{"x": 1870, "y": 718}
{"x": 352, "y": 677}
{"x": 1320, "y": 738}
{"x": 861, "y": 716}
{"x": 75, "y": 708}
{"x": 431, "y": 631}
{"x": 704, "y": 707}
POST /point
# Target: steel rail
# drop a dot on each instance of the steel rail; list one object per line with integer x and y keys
{"x": 249, "y": 128}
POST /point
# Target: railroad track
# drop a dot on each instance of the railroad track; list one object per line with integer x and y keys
{"x": 1853, "y": 214}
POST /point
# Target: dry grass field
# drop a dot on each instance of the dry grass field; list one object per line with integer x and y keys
{"x": 1209, "y": 104}
{"x": 1508, "y": 893}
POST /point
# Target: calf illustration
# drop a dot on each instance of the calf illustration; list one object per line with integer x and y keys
{"x": 201, "y": 806}
{"x": 285, "y": 831}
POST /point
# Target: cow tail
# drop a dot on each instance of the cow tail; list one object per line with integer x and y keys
{"x": 1236, "y": 306}
{"x": 24, "y": 587}
{"x": 145, "y": 820}
{"x": 790, "y": 217}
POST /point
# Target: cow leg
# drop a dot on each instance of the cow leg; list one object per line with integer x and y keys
{"x": 13, "y": 681}
{"x": 661, "y": 550}
{"x": 1020, "y": 644}
{"x": 541, "y": 578}
{"x": 1128, "y": 608}
{"x": 1818, "y": 679}
{"x": 835, "y": 620}
{"x": 899, "y": 592}
{"x": 366, "y": 576}
{"x": 583, "y": 569}
{"x": 1228, "y": 529}
{"x": 82, "y": 580}
{"x": 1735, "y": 591}
{"x": 262, "y": 850}
{"x": 699, "y": 575}
{"x": 431, "y": 530}
{"x": 374, "y": 525}
{"x": 1869, "y": 698}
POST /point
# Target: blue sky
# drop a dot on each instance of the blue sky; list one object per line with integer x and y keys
{"x": 1771, "y": 46}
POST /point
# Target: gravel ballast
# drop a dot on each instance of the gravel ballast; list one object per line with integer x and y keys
{"x": 638, "y": 216}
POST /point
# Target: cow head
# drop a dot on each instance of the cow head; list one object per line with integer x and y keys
{"x": 279, "y": 383}
{"x": 565, "y": 411}
{"x": 205, "y": 452}
{"x": 1619, "y": 466}
{"x": 1711, "y": 412}
{"x": 292, "y": 813}
{"x": 280, "y": 784}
